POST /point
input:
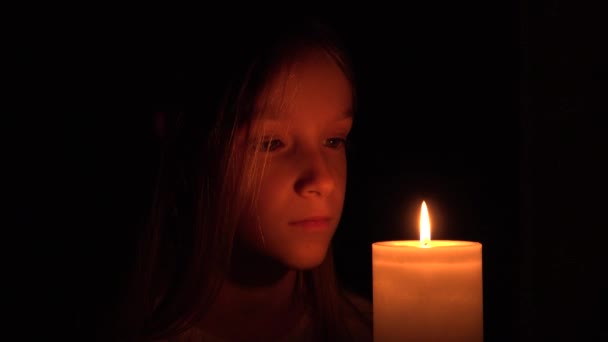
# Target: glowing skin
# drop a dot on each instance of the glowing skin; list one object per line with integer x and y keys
{"x": 298, "y": 140}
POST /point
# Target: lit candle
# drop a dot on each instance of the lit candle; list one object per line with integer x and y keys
{"x": 427, "y": 290}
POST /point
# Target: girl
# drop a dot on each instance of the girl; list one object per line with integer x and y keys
{"x": 248, "y": 199}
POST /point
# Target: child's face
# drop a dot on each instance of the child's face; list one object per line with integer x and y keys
{"x": 304, "y": 119}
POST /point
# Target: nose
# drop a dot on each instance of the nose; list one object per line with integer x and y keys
{"x": 316, "y": 178}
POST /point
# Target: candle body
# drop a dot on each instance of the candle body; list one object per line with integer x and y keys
{"x": 427, "y": 294}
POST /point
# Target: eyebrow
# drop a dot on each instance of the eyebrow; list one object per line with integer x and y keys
{"x": 273, "y": 118}
{"x": 280, "y": 122}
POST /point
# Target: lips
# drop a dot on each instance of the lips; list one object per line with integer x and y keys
{"x": 313, "y": 222}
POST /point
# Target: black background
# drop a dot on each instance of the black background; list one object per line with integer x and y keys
{"x": 488, "y": 111}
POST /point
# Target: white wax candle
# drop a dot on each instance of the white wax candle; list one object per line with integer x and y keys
{"x": 427, "y": 290}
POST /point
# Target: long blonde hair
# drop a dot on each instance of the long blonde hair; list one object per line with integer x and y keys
{"x": 184, "y": 251}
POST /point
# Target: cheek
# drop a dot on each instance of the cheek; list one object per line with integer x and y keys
{"x": 265, "y": 229}
{"x": 339, "y": 169}
{"x": 269, "y": 194}
{"x": 275, "y": 186}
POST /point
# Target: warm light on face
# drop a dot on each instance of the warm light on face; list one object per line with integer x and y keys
{"x": 299, "y": 176}
{"x": 425, "y": 226}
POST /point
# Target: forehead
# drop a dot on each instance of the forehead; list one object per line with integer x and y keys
{"x": 309, "y": 83}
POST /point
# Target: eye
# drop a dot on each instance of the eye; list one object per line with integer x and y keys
{"x": 269, "y": 145}
{"x": 335, "y": 142}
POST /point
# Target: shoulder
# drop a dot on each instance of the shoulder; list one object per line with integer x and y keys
{"x": 360, "y": 303}
{"x": 193, "y": 334}
{"x": 360, "y": 317}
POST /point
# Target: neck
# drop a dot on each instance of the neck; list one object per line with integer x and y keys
{"x": 257, "y": 292}
{"x": 258, "y": 281}
{"x": 271, "y": 296}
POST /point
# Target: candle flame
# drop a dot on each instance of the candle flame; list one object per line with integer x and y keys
{"x": 425, "y": 225}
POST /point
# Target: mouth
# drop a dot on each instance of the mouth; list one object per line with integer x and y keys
{"x": 313, "y": 222}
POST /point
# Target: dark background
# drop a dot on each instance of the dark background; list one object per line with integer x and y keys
{"x": 489, "y": 112}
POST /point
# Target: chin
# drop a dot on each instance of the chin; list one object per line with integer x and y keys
{"x": 306, "y": 260}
